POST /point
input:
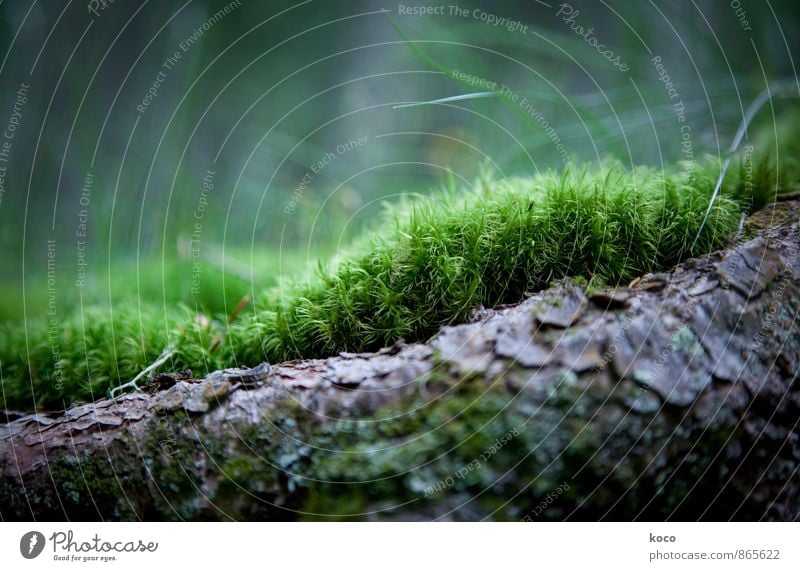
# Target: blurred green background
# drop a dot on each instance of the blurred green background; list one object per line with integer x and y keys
{"x": 293, "y": 107}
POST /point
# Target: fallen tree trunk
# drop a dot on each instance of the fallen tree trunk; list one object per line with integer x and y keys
{"x": 674, "y": 398}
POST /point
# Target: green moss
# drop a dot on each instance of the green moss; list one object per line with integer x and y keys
{"x": 262, "y": 475}
{"x": 428, "y": 265}
{"x": 686, "y": 341}
{"x": 477, "y": 449}
{"x": 172, "y": 468}
{"x": 421, "y": 455}
{"x": 279, "y": 442}
{"x": 79, "y": 488}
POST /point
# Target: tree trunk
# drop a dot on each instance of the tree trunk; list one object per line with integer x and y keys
{"x": 674, "y": 398}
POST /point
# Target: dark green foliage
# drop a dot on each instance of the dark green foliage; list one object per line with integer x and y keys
{"x": 429, "y": 265}
{"x": 446, "y": 256}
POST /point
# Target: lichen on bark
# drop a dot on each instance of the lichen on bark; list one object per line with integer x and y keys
{"x": 675, "y": 398}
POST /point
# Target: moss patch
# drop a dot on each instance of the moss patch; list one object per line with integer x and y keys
{"x": 428, "y": 265}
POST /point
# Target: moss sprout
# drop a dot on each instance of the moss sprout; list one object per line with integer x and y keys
{"x": 430, "y": 264}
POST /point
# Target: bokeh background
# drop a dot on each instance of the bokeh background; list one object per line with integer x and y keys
{"x": 282, "y": 129}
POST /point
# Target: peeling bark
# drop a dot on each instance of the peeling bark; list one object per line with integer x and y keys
{"x": 674, "y": 398}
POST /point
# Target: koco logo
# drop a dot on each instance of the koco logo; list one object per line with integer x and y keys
{"x": 31, "y": 544}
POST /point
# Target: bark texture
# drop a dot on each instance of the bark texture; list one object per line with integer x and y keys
{"x": 674, "y": 398}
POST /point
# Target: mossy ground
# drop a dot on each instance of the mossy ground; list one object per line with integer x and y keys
{"x": 428, "y": 265}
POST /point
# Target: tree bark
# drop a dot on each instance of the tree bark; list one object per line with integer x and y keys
{"x": 674, "y": 398}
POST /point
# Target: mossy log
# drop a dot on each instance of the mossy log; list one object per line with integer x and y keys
{"x": 673, "y": 398}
